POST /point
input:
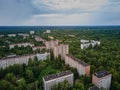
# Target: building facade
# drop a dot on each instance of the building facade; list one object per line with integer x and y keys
{"x": 82, "y": 67}
{"x": 5, "y": 62}
{"x": 51, "y": 44}
{"x": 38, "y": 48}
{"x": 32, "y": 32}
{"x": 20, "y": 44}
{"x": 39, "y": 39}
{"x": 102, "y": 79}
{"x": 61, "y": 50}
{"x": 87, "y": 43}
{"x": 53, "y": 79}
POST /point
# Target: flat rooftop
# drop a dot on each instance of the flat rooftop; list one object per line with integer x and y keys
{"x": 54, "y": 76}
{"x": 102, "y": 74}
{"x": 94, "y": 88}
{"x": 78, "y": 60}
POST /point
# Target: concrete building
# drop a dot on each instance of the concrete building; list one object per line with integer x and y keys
{"x": 51, "y": 37}
{"x": 61, "y": 50}
{"x": 94, "y": 88}
{"x": 32, "y": 32}
{"x": 87, "y": 43}
{"x": 23, "y": 35}
{"x": 11, "y": 35}
{"x": 51, "y": 44}
{"x": 7, "y": 61}
{"x": 1, "y": 35}
{"x": 84, "y": 41}
{"x": 20, "y": 44}
{"x": 39, "y": 39}
{"x": 38, "y": 48}
{"x": 48, "y": 31}
{"x": 53, "y": 79}
{"x": 82, "y": 67}
{"x": 102, "y": 79}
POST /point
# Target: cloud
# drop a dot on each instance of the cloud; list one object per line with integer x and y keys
{"x": 60, "y": 19}
{"x": 59, "y": 12}
{"x": 63, "y": 5}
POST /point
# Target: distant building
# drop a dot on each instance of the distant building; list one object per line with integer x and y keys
{"x": 61, "y": 50}
{"x": 20, "y": 44}
{"x": 87, "y": 43}
{"x": 32, "y": 32}
{"x": 84, "y": 41}
{"x": 82, "y": 67}
{"x": 11, "y": 60}
{"x": 39, "y": 39}
{"x": 94, "y": 88}
{"x": 102, "y": 79}
{"x": 2, "y": 35}
{"x": 11, "y": 35}
{"x": 51, "y": 44}
{"x": 53, "y": 79}
{"x": 48, "y": 31}
{"x": 70, "y": 35}
{"x": 50, "y": 37}
{"x": 23, "y": 35}
{"x": 38, "y": 48}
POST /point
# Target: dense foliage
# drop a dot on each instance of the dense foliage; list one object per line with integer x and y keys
{"x": 103, "y": 57}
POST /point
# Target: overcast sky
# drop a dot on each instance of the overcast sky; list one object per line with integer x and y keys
{"x": 59, "y": 12}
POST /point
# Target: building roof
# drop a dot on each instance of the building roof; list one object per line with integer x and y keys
{"x": 101, "y": 74}
{"x": 94, "y": 88}
{"x": 78, "y": 60}
{"x": 54, "y": 76}
{"x": 19, "y": 56}
{"x": 22, "y": 43}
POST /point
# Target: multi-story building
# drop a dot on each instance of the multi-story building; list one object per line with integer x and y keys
{"x": 38, "y": 48}
{"x": 51, "y": 37}
{"x": 11, "y": 35}
{"x": 39, "y": 39}
{"x": 53, "y": 79}
{"x": 7, "y": 61}
{"x": 61, "y": 50}
{"x": 102, "y": 79}
{"x": 32, "y": 32}
{"x": 23, "y": 35}
{"x": 87, "y": 43}
{"x": 51, "y": 44}
{"x": 94, "y": 88}
{"x": 20, "y": 44}
{"x": 82, "y": 67}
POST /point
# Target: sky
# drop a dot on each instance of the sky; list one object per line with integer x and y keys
{"x": 59, "y": 12}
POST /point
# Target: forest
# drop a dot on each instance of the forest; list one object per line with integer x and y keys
{"x": 103, "y": 57}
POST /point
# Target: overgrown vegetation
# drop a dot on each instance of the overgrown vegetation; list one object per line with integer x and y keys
{"x": 103, "y": 57}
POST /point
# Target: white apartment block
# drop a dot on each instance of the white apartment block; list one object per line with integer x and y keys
{"x": 11, "y": 35}
{"x": 53, "y": 79}
{"x": 21, "y": 44}
{"x": 51, "y": 44}
{"x": 32, "y": 32}
{"x": 87, "y": 43}
{"x": 84, "y": 41}
{"x": 48, "y": 31}
{"x": 61, "y": 50}
{"x": 5, "y": 62}
{"x": 102, "y": 79}
{"x": 82, "y": 67}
